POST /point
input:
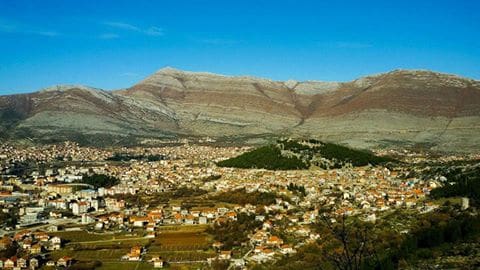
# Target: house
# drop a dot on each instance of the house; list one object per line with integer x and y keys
{"x": 56, "y": 240}
{"x": 217, "y": 245}
{"x": 87, "y": 219}
{"x": 314, "y": 236}
{"x": 52, "y": 228}
{"x": 274, "y": 241}
{"x": 267, "y": 225}
{"x": 221, "y": 220}
{"x": 232, "y": 215}
{"x": 267, "y": 252}
{"x": 150, "y": 227}
{"x": 64, "y": 261}
{"x": 157, "y": 262}
{"x": 222, "y": 210}
{"x": 36, "y": 249}
{"x": 258, "y": 249}
{"x": 155, "y": 215}
{"x": 20, "y": 235}
{"x": 41, "y": 236}
{"x": 27, "y": 244}
{"x": 178, "y": 218}
{"x": 302, "y": 231}
{"x": 98, "y": 226}
{"x": 258, "y": 237}
{"x": 209, "y": 213}
{"x": 259, "y": 218}
{"x": 225, "y": 255}
{"x": 202, "y": 220}
{"x": 286, "y": 249}
{"x": 22, "y": 263}
{"x": 139, "y": 221}
{"x": 79, "y": 208}
{"x": 189, "y": 220}
{"x": 54, "y": 214}
{"x": 10, "y": 263}
{"x": 56, "y": 243}
{"x": 135, "y": 253}
{"x": 5, "y": 242}
{"x": 34, "y": 263}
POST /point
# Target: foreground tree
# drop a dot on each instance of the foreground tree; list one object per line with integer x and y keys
{"x": 348, "y": 244}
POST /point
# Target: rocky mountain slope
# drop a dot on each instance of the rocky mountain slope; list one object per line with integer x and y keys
{"x": 400, "y": 107}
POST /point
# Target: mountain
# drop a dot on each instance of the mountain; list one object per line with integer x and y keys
{"x": 402, "y": 107}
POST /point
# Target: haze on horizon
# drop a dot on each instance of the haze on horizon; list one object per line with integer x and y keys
{"x": 114, "y": 44}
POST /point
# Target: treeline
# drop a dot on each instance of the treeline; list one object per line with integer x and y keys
{"x": 355, "y": 157}
{"x": 23, "y": 168}
{"x": 266, "y": 157}
{"x": 234, "y": 233}
{"x": 99, "y": 180}
{"x": 297, "y": 188}
{"x": 240, "y": 196}
{"x": 436, "y": 234}
{"x": 463, "y": 182}
{"x": 155, "y": 199}
{"x": 354, "y": 244}
{"x": 128, "y": 157}
{"x": 8, "y": 218}
{"x": 187, "y": 192}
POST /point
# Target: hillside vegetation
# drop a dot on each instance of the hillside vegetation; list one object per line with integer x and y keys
{"x": 266, "y": 157}
{"x": 461, "y": 181}
{"x": 100, "y": 180}
{"x": 294, "y": 155}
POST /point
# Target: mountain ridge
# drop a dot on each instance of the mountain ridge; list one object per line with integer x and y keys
{"x": 67, "y": 86}
{"x": 401, "y": 106}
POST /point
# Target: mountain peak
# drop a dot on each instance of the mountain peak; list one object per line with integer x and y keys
{"x": 66, "y": 87}
{"x": 175, "y": 72}
{"x": 169, "y": 69}
{"x": 422, "y": 73}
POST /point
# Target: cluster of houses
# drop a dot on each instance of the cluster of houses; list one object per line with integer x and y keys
{"x": 169, "y": 215}
{"x": 33, "y": 263}
{"x": 34, "y": 247}
{"x": 360, "y": 190}
{"x": 51, "y": 194}
{"x": 136, "y": 253}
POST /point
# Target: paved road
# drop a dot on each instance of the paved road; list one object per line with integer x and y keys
{"x": 49, "y": 223}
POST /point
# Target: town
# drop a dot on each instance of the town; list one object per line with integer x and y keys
{"x": 142, "y": 207}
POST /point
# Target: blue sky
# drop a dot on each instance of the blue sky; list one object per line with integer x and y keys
{"x": 112, "y": 44}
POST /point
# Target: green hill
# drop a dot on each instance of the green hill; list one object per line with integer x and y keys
{"x": 266, "y": 157}
{"x": 293, "y": 155}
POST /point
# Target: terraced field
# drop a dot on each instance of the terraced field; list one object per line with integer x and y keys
{"x": 182, "y": 246}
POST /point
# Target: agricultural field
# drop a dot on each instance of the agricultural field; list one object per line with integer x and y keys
{"x": 103, "y": 255}
{"x": 125, "y": 266}
{"x": 182, "y": 238}
{"x": 182, "y": 246}
{"x": 84, "y": 236}
{"x": 182, "y": 243}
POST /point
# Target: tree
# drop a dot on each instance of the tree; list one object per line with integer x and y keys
{"x": 347, "y": 246}
{"x": 100, "y": 180}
